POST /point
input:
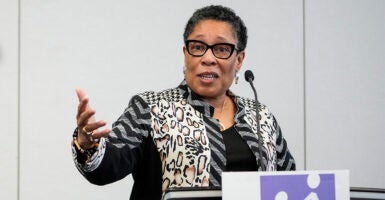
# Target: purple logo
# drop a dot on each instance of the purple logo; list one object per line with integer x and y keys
{"x": 298, "y": 187}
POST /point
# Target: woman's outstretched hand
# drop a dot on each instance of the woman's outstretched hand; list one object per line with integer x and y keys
{"x": 88, "y": 127}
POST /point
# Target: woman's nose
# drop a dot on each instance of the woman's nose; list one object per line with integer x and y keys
{"x": 208, "y": 58}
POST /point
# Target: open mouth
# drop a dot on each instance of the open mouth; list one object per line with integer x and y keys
{"x": 208, "y": 76}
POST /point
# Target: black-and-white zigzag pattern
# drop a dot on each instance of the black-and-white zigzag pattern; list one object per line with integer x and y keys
{"x": 187, "y": 138}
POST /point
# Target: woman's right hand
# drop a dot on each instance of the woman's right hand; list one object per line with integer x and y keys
{"x": 88, "y": 127}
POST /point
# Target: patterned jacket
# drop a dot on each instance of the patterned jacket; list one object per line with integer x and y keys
{"x": 170, "y": 139}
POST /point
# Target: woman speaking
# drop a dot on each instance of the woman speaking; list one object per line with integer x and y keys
{"x": 188, "y": 135}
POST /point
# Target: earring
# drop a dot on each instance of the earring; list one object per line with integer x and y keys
{"x": 184, "y": 69}
{"x": 236, "y": 77}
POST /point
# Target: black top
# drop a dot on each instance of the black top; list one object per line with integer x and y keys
{"x": 238, "y": 154}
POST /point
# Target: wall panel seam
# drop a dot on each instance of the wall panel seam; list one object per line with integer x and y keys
{"x": 18, "y": 96}
{"x": 304, "y": 80}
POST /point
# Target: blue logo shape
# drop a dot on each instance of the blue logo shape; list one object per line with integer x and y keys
{"x": 298, "y": 187}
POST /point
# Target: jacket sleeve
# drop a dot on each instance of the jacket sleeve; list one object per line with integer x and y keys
{"x": 285, "y": 160}
{"x": 120, "y": 153}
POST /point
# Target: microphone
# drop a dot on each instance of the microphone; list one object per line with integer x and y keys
{"x": 249, "y": 76}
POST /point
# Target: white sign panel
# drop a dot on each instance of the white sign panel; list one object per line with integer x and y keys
{"x": 286, "y": 185}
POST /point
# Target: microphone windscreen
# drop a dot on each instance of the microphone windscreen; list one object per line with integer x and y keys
{"x": 249, "y": 76}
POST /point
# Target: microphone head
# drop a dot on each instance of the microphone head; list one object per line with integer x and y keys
{"x": 249, "y": 76}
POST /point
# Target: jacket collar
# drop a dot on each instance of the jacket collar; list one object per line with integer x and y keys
{"x": 205, "y": 108}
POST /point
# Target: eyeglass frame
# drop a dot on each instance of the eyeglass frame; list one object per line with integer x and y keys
{"x": 233, "y": 48}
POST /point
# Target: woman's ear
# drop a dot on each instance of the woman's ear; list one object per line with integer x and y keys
{"x": 184, "y": 50}
{"x": 240, "y": 58}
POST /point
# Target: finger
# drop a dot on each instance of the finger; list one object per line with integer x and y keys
{"x": 100, "y": 133}
{"x": 86, "y": 117}
{"x": 95, "y": 125}
{"x": 83, "y": 105}
{"x": 81, "y": 94}
{"x": 83, "y": 101}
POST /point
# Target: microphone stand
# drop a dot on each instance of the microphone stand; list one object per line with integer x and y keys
{"x": 249, "y": 78}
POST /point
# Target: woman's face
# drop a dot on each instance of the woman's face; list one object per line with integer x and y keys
{"x": 208, "y": 76}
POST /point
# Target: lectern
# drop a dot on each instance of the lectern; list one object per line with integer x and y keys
{"x": 307, "y": 185}
{"x": 215, "y": 193}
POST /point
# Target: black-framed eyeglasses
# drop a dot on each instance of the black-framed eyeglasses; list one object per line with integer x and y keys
{"x": 221, "y": 50}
